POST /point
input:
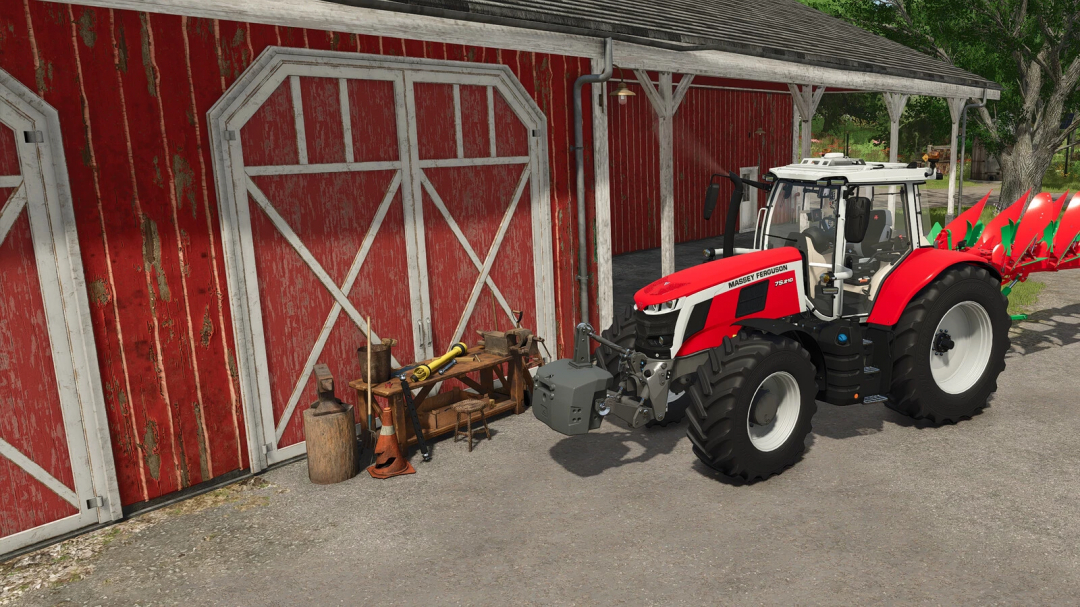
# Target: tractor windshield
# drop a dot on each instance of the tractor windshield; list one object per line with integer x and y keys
{"x": 803, "y": 215}
{"x": 801, "y": 207}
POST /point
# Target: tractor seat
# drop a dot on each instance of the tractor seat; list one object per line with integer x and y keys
{"x": 877, "y": 232}
{"x": 815, "y": 242}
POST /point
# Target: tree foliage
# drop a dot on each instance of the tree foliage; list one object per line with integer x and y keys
{"x": 1030, "y": 47}
{"x": 925, "y": 121}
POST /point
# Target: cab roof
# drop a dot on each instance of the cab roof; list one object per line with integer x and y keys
{"x": 853, "y": 170}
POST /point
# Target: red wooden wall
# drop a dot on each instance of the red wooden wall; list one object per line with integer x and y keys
{"x": 714, "y": 129}
{"x": 133, "y": 90}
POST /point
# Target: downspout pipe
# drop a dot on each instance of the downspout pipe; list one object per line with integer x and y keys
{"x": 963, "y": 144}
{"x": 579, "y": 153}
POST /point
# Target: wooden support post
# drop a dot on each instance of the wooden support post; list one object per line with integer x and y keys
{"x": 667, "y": 179}
{"x": 796, "y": 130}
{"x": 602, "y": 200}
{"x": 665, "y": 103}
{"x": 806, "y": 99}
{"x": 895, "y": 103}
{"x": 956, "y": 106}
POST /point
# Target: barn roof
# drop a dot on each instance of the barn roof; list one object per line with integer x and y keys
{"x": 776, "y": 29}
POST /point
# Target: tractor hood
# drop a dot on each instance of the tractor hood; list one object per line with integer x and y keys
{"x": 700, "y": 277}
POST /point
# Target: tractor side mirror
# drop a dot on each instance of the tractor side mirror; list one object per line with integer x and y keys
{"x": 856, "y": 218}
{"x": 711, "y": 195}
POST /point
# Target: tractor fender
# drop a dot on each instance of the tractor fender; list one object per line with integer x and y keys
{"x": 916, "y": 271}
{"x": 799, "y": 334}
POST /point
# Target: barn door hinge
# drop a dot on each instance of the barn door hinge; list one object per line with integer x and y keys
{"x": 268, "y": 447}
{"x": 95, "y": 502}
{"x": 536, "y": 132}
{"x": 229, "y": 135}
{"x": 34, "y": 136}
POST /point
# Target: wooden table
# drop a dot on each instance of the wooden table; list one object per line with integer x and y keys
{"x": 486, "y": 367}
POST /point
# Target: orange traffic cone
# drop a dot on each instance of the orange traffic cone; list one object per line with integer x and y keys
{"x": 389, "y": 460}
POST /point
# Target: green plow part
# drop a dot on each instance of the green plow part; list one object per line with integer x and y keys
{"x": 934, "y": 231}
{"x": 1008, "y": 236}
{"x": 973, "y": 233}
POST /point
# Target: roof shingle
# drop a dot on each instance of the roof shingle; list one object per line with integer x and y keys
{"x": 777, "y": 29}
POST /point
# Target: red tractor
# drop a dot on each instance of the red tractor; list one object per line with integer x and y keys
{"x": 849, "y": 296}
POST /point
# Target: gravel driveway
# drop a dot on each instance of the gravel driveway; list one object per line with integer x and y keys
{"x": 880, "y": 510}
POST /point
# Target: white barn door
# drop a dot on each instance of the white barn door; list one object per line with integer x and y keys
{"x": 56, "y": 467}
{"x": 355, "y": 186}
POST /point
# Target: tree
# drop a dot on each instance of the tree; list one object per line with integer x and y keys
{"x": 1030, "y": 47}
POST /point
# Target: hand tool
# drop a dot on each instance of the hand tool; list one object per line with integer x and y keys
{"x": 425, "y": 449}
{"x": 422, "y": 372}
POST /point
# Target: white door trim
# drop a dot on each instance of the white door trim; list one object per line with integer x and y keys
{"x": 238, "y": 105}
{"x": 46, "y": 195}
{"x": 748, "y": 206}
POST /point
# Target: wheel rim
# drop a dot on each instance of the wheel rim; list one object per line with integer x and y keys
{"x": 959, "y": 366}
{"x": 771, "y": 436}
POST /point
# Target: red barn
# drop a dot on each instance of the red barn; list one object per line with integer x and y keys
{"x": 199, "y": 200}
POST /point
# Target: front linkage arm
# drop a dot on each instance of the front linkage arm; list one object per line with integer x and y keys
{"x": 648, "y": 379}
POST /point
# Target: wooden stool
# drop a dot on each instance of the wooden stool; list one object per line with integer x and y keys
{"x": 467, "y": 408}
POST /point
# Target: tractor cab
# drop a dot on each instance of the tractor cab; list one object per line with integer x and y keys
{"x": 852, "y": 222}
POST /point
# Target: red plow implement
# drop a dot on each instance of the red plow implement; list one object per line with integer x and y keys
{"x": 1043, "y": 238}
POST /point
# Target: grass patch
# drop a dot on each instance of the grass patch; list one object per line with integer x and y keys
{"x": 1024, "y": 296}
{"x": 937, "y": 215}
{"x": 1053, "y": 181}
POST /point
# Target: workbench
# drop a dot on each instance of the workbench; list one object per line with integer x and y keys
{"x": 435, "y": 412}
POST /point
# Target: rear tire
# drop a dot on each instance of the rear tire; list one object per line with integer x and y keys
{"x": 623, "y": 331}
{"x": 725, "y": 428}
{"x": 950, "y": 347}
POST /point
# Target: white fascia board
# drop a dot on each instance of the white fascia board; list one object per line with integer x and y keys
{"x": 314, "y": 14}
{"x": 746, "y": 67}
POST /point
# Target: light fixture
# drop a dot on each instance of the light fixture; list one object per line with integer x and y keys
{"x": 622, "y": 92}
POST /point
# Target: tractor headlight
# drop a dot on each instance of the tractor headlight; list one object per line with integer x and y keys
{"x": 667, "y": 306}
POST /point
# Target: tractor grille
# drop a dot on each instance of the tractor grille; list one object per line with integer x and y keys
{"x": 655, "y": 333}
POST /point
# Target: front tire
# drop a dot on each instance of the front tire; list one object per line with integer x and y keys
{"x": 950, "y": 347}
{"x": 751, "y": 406}
{"x": 623, "y": 331}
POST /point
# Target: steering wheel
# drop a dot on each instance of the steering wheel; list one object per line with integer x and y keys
{"x": 827, "y": 223}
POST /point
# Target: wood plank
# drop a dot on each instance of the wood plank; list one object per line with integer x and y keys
{"x": 298, "y": 117}
{"x": 602, "y": 200}
{"x": 465, "y": 366}
{"x": 346, "y": 119}
{"x": 457, "y": 122}
{"x": 499, "y": 408}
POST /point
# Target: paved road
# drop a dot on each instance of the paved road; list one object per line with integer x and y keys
{"x": 879, "y": 511}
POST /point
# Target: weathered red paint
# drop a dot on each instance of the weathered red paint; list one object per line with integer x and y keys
{"x": 30, "y": 417}
{"x": 714, "y": 129}
{"x": 133, "y": 91}
{"x": 9, "y": 157}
